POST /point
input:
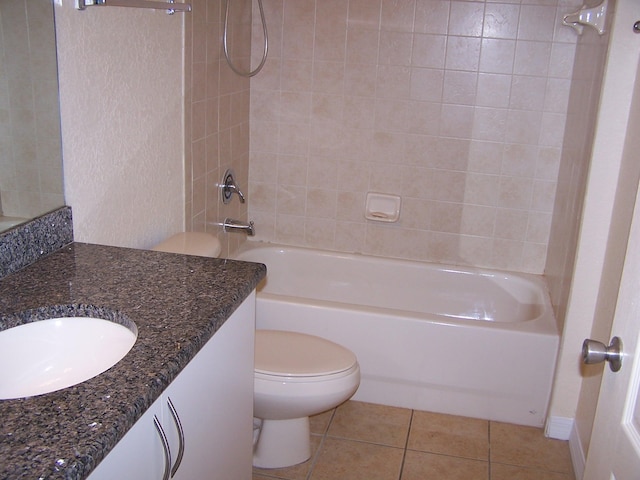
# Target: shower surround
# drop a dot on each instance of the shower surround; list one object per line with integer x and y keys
{"x": 457, "y": 106}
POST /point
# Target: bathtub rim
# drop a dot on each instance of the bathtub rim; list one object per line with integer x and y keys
{"x": 544, "y": 324}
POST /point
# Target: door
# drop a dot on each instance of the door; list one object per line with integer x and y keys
{"x": 614, "y": 451}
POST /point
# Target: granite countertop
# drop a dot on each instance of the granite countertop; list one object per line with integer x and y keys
{"x": 177, "y": 303}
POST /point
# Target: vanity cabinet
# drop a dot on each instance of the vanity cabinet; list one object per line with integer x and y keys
{"x": 213, "y": 399}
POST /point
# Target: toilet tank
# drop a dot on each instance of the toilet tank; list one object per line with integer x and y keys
{"x": 191, "y": 243}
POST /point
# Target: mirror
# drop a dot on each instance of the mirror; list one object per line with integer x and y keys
{"x": 31, "y": 181}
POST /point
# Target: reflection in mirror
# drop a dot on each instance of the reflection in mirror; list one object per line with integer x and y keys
{"x": 31, "y": 181}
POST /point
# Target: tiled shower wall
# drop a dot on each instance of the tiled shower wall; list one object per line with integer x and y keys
{"x": 587, "y": 79}
{"x": 217, "y": 115}
{"x": 458, "y": 107}
{"x": 30, "y": 150}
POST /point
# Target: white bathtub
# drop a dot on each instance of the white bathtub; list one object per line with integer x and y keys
{"x": 445, "y": 339}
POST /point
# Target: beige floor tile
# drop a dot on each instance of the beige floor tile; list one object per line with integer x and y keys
{"x": 449, "y": 435}
{"x": 295, "y": 472}
{"x": 510, "y": 472}
{"x": 319, "y": 423}
{"x": 349, "y": 460}
{"x": 421, "y": 466}
{"x": 373, "y": 423}
{"x": 528, "y": 447}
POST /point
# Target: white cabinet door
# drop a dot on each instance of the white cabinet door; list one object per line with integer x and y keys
{"x": 214, "y": 400}
{"x": 139, "y": 454}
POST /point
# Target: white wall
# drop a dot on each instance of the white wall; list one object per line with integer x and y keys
{"x": 121, "y": 103}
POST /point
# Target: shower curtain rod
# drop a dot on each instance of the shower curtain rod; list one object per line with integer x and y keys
{"x": 170, "y": 6}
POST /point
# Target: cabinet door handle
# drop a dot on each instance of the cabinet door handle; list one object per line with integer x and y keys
{"x": 176, "y": 420}
{"x": 165, "y": 447}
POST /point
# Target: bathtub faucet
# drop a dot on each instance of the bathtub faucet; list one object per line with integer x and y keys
{"x": 229, "y": 186}
{"x": 231, "y": 225}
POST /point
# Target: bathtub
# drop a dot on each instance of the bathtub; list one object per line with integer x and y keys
{"x": 453, "y": 340}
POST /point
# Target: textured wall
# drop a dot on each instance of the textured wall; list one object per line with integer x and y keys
{"x": 217, "y": 113}
{"x": 121, "y": 99}
{"x": 566, "y": 228}
{"x": 459, "y": 107}
{"x": 574, "y": 168}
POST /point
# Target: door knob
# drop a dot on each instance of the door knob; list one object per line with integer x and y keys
{"x": 596, "y": 352}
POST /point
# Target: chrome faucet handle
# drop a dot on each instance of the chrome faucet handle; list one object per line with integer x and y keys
{"x": 228, "y": 187}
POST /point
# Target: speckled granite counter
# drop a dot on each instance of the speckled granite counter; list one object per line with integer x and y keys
{"x": 177, "y": 303}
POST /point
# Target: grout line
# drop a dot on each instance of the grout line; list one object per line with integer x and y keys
{"x": 489, "y": 446}
{"x": 315, "y": 456}
{"x": 406, "y": 445}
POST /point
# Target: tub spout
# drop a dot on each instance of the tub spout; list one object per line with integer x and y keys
{"x": 231, "y": 225}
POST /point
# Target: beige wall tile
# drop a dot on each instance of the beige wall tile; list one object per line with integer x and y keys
{"x": 501, "y": 21}
{"x": 431, "y": 16}
{"x": 218, "y": 136}
{"x": 434, "y": 100}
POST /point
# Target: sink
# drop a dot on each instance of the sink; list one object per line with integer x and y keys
{"x": 49, "y": 355}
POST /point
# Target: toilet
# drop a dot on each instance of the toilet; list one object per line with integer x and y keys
{"x": 191, "y": 243}
{"x": 295, "y": 375}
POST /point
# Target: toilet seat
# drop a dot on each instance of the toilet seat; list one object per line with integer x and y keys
{"x": 281, "y": 353}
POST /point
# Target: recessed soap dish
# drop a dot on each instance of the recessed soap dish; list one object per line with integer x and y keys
{"x": 382, "y": 207}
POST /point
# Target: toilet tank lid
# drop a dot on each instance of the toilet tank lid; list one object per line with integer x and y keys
{"x": 191, "y": 243}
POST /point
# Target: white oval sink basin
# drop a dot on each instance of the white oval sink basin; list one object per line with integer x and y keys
{"x": 49, "y": 355}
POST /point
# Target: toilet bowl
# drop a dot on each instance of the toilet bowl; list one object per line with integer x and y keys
{"x": 296, "y": 375}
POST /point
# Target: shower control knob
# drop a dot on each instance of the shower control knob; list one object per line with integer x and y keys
{"x": 596, "y": 352}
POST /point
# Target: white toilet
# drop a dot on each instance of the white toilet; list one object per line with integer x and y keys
{"x": 296, "y": 375}
{"x": 191, "y": 243}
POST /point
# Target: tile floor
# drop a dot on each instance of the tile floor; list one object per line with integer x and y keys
{"x": 363, "y": 441}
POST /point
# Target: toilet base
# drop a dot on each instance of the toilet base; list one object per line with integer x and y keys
{"x": 283, "y": 443}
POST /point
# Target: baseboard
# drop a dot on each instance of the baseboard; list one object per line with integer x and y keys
{"x": 559, "y": 428}
{"x": 578, "y": 458}
{"x": 563, "y": 428}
